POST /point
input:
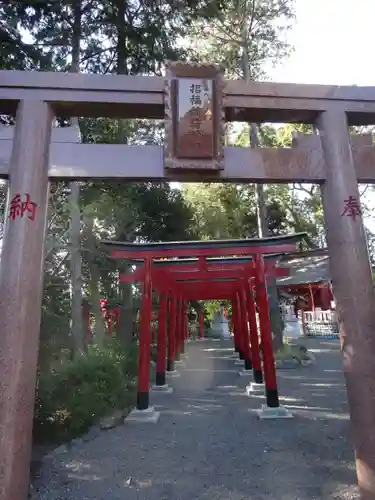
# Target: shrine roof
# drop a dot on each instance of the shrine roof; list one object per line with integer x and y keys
{"x": 209, "y": 260}
{"x": 191, "y": 248}
{"x": 305, "y": 268}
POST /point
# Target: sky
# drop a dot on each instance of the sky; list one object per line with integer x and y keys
{"x": 333, "y": 41}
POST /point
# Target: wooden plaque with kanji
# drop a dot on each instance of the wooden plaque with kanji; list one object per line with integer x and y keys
{"x": 194, "y": 117}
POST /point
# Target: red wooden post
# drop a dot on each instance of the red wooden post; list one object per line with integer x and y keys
{"x": 186, "y": 318}
{"x": 303, "y": 321}
{"x": 272, "y": 396}
{"x": 201, "y": 323}
{"x": 245, "y": 329}
{"x": 312, "y": 301}
{"x": 172, "y": 334}
{"x": 162, "y": 341}
{"x": 177, "y": 356}
{"x": 254, "y": 340}
{"x": 144, "y": 339}
{"x": 182, "y": 329}
{"x": 239, "y": 327}
{"x": 236, "y": 339}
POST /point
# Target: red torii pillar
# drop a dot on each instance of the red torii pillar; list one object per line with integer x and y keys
{"x": 272, "y": 396}
{"x": 182, "y": 327}
{"x": 177, "y": 356}
{"x": 237, "y": 325}
{"x": 240, "y": 327}
{"x": 162, "y": 341}
{"x": 172, "y": 334}
{"x": 186, "y": 318}
{"x": 144, "y": 339}
{"x": 245, "y": 331}
{"x": 236, "y": 337}
{"x": 254, "y": 340}
{"x": 182, "y": 330}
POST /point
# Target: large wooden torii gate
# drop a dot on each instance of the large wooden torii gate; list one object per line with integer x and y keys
{"x": 330, "y": 158}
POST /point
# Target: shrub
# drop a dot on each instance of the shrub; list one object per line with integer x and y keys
{"x": 292, "y": 351}
{"x": 72, "y": 397}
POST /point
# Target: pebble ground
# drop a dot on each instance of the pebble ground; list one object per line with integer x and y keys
{"x": 209, "y": 444}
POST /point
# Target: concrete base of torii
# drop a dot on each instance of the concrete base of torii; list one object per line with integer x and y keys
{"x": 148, "y": 416}
{"x": 254, "y": 389}
{"x": 267, "y": 413}
{"x": 165, "y": 389}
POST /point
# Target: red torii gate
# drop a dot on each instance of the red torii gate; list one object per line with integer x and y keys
{"x": 178, "y": 281}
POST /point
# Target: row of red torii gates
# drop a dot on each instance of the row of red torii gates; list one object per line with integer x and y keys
{"x": 178, "y": 272}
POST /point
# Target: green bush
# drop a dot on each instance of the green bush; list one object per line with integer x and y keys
{"x": 72, "y": 398}
{"x": 293, "y": 351}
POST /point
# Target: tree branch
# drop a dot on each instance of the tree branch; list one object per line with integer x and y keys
{"x": 27, "y": 49}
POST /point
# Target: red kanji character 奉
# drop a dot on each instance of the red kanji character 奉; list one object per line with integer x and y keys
{"x": 29, "y": 207}
{"x": 15, "y": 207}
{"x": 352, "y": 208}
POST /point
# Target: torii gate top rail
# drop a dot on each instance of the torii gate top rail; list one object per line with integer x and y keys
{"x": 143, "y": 97}
{"x": 146, "y": 97}
{"x": 219, "y": 248}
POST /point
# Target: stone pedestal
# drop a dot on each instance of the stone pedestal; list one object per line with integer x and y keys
{"x": 254, "y": 389}
{"x": 165, "y": 389}
{"x": 148, "y": 416}
{"x": 267, "y": 413}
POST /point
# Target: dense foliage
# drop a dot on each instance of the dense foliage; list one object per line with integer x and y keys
{"x": 76, "y": 393}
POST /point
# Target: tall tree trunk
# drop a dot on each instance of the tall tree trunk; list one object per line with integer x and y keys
{"x": 99, "y": 329}
{"x": 125, "y": 331}
{"x": 77, "y": 326}
{"x": 262, "y": 218}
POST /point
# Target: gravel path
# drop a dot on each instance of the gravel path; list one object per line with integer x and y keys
{"x": 208, "y": 443}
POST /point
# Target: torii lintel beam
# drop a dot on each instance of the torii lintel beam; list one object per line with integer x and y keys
{"x": 303, "y": 162}
{"x": 182, "y": 276}
{"x": 123, "y": 96}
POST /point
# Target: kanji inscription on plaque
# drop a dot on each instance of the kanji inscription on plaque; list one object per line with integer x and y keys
{"x": 195, "y": 127}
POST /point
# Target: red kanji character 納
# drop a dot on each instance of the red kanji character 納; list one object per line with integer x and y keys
{"x": 29, "y": 207}
{"x": 15, "y": 207}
